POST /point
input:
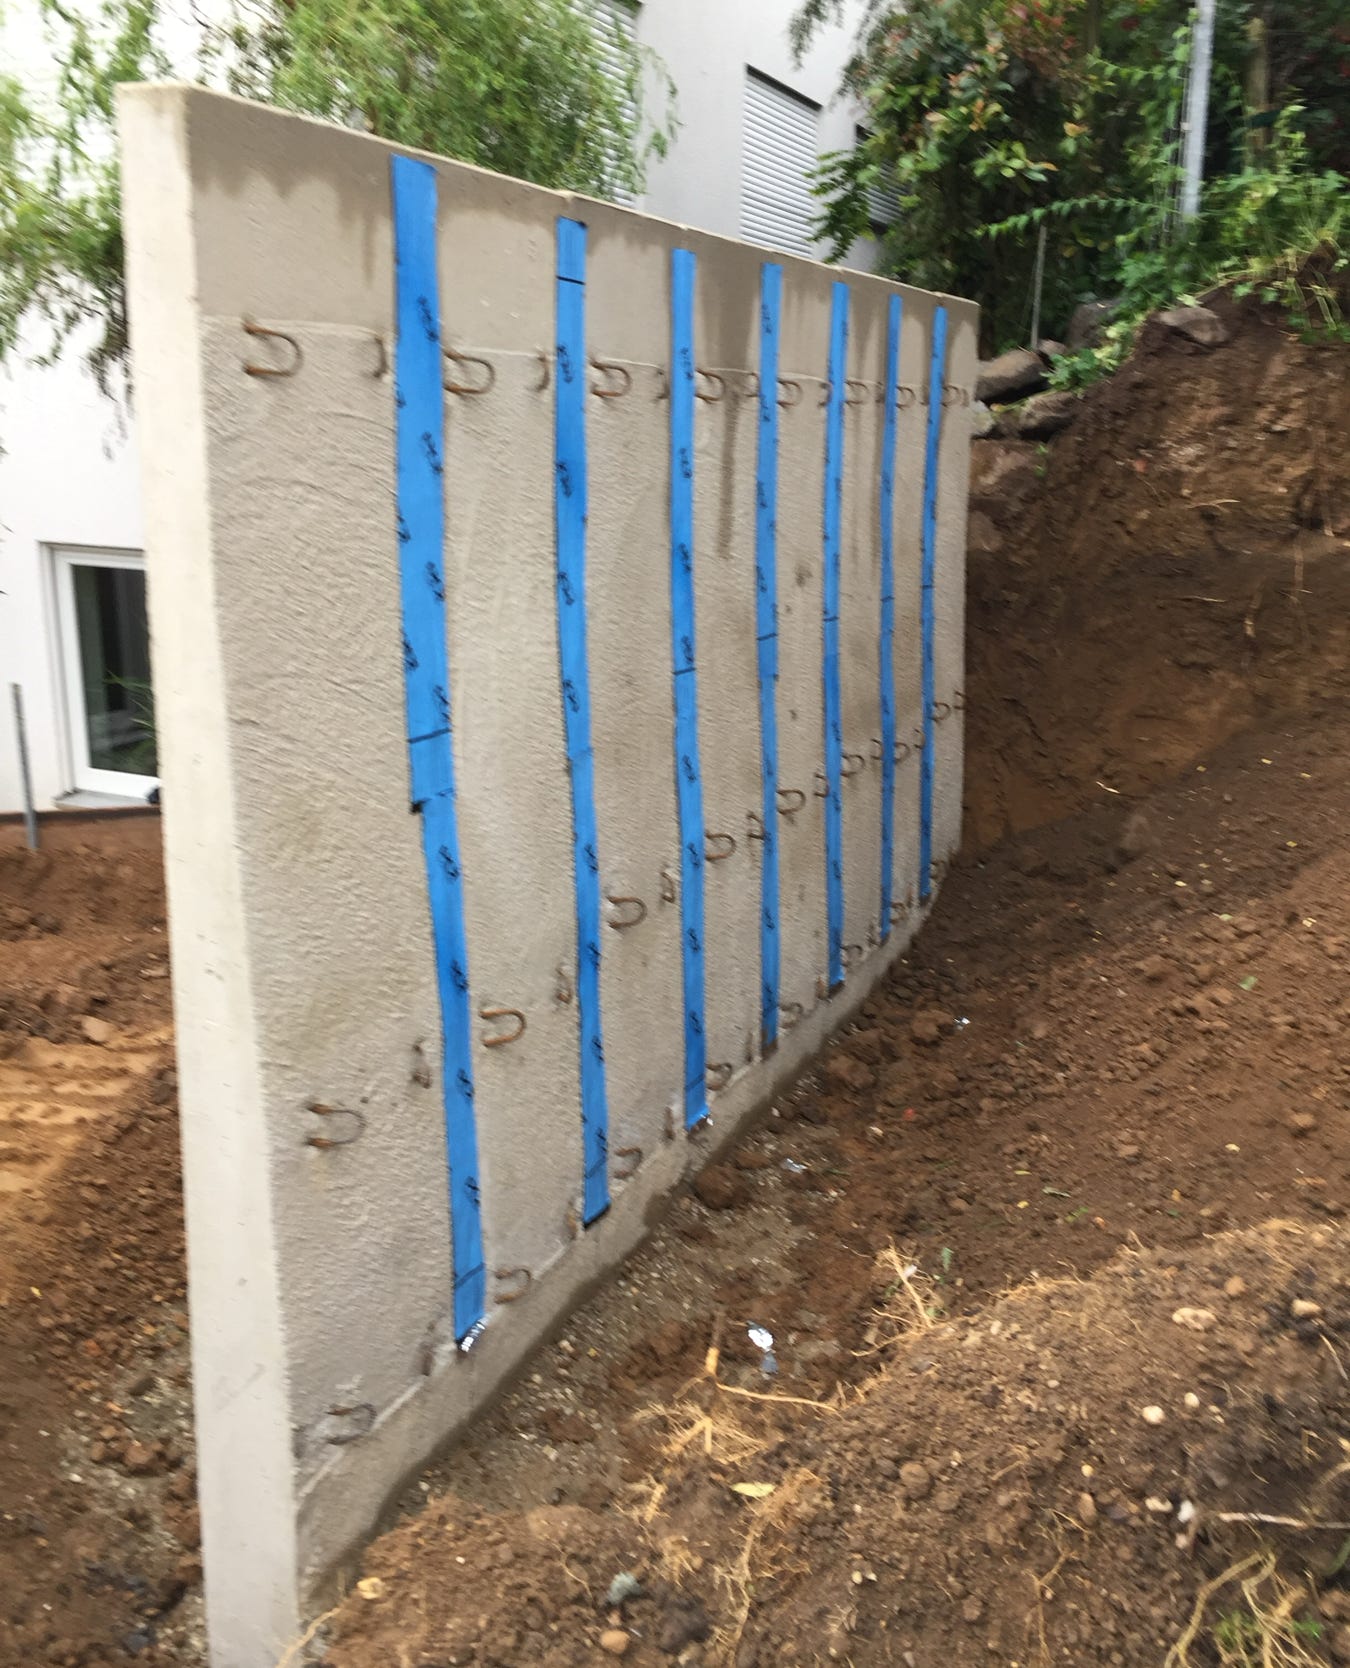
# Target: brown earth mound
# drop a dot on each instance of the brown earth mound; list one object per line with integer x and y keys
{"x": 1083, "y": 1473}
{"x": 1114, "y": 1054}
{"x": 1168, "y": 571}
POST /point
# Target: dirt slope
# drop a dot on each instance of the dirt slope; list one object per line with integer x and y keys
{"x": 1169, "y": 570}
{"x": 1114, "y": 1056}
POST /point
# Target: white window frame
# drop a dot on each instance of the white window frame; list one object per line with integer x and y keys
{"x": 84, "y": 778}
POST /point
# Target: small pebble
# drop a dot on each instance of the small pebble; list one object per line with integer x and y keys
{"x": 1236, "y": 1287}
{"x": 1087, "y": 1509}
{"x": 1303, "y": 1308}
{"x": 1194, "y": 1320}
{"x": 1152, "y": 1415}
{"x": 1192, "y": 1400}
{"x": 615, "y": 1641}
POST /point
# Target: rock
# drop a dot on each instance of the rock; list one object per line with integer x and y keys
{"x": 982, "y": 420}
{"x": 1087, "y": 1510}
{"x": 1152, "y": 1415}
{"x": 1040, "y": 417}
{"x": 615, "y": 1641}
{"x": 1012, "y": 374}
{"x": 1049, "y": 349}
{"x": 685, "y": 1622}
{"x": 1303, "y": 1308}
{"x": 915, "y": 1480}
{"x": 141, "y": 1460}
{"x": 852, "y": 1074}
{"x": 1302, "y": 1123}
{"x": 1152, "y": 968}
{"x": 719, "y": 1188}
{"x": 1235, "y": 1286}
{"x": 1194, "y": 1320}
{"x": 669, "y": 1342}
{"x": 624, "y": 1586}
{"x": 1198, "y": 324}
{"x": 972, "y": 1609}
{"x": 96, "y": 1030}
{"x": 1088, "y": 322}
{"x": 1340, "y": 1643}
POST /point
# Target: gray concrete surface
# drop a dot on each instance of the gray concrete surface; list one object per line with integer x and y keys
{"x": 299, "y": 921}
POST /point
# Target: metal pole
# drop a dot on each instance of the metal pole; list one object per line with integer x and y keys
{"x": 1197, "y": 108}
{"x": 29, "y": 812}
{"x": 1036, "y": 289}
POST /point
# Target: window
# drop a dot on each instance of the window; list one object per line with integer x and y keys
{"x": 105, "y": 664}
{"x": 883, "y": 199}
{"x": 781, "y": 151}
{"x": 615, "y": 25}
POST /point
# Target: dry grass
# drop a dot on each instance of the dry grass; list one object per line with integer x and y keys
{"x": 1258, "y": 1623}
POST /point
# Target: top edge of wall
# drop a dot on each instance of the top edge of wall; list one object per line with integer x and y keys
{"x": 206, "y": 113}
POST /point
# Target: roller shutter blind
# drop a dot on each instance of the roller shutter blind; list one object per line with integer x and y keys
{"x": 781, "y": 148}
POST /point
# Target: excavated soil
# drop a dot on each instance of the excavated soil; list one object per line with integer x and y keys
{"x": 1105, "y": 1088}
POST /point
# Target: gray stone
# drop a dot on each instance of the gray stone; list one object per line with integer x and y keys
{"x": 1196, "y": 323}
{"x": 1012, "y": 374}
{"x": 1087, "y": 322}
{"x": 982, "y": 420}
{"x": 1041, "y": 416}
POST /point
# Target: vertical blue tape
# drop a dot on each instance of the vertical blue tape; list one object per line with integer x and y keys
{"x": 688, "y": 777}
{"x": 886, "y": 657}
{"x": 766, "y": 632}
{"x": 570, "y": 509}
{"x": 421, "y": 527}
{"x": 834, "y": 734}
{"x": 937, "y": 380}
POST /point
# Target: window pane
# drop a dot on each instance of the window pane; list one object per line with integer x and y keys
{"x": 115, "y": 668}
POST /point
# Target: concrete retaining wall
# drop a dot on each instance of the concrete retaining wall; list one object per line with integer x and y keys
{"x": 331, "y": 1355}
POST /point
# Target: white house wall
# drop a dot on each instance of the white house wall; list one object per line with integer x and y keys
{"x": 68, "y": 468}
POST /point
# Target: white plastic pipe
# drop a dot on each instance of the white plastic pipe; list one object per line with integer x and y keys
{"x": 1197, "y": 108}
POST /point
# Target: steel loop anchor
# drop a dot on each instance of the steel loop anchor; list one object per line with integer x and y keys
{"x": 629, "y": 912}
{"x": 795, "y": 386}
{"x": 623, "y": 1171}
{"x": 320, "y": 1110}
{"x": 490, "y": 373}
{"x": 501, "y": 1040}
{"x": 611, "y": 368}
{"x": 856, "y": 760}
{"x": 790, "y": 1014}
{"x": 363, "y": 1416}
{"x": 718, "y": 847}
{"x": 941, "y": 710}
{"x": 718, "y": 1075}
{"x": 297, "y": 359}
{"x": 790, "y": 801}
{"x": 520, "y": 1282}
{"x": 717, "y": 379}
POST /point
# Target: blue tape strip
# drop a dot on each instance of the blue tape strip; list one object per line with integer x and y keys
{"x": 766, "y": 630}
{"x": 834, "y": 735}
{"x": 570, "y": 509}
{"x": 688, "y": 777}
{"x": 886, "y": 512}
{"x": 937, "y": 381}
{"x": 421, "y": 525}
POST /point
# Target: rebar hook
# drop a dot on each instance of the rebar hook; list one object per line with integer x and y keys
{"x": 297, "y": 361}
{"x": 489, "y": 369}
{"x": 504, "y": 1037}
